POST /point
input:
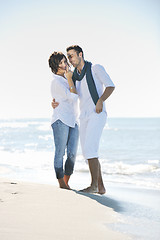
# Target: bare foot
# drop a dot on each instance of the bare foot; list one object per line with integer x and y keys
{"x": 62, "y": 184}
{"x": 101, "y": 187}
{"x": 65, "y": 187}
{"x": 66, "y": 179}
{"x": 90, "y": 190}
{"x": 68, "y": 186}
{"x": 101, "y": 190}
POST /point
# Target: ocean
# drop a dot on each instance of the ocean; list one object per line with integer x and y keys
{"x": 129, "y": 149}
{"x": 129, "y": 155}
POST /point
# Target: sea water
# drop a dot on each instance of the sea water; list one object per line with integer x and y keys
{"x": 129, "y": 149}
{"x": 129, "y": 155}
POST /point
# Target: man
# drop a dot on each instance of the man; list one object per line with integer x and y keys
{"x": 90, "y": 81}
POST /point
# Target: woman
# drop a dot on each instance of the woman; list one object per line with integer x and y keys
{"x": 64, "y": 118}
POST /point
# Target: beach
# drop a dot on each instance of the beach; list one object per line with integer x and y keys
{"x": 36, "y": 208}
{"x": 44, "y": 212}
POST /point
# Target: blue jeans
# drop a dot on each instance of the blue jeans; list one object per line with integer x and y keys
{"x": 65, "y": 137}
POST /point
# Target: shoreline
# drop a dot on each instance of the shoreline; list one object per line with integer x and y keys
{"x": 40, "y": 211}
{"x": 135, "y": 210}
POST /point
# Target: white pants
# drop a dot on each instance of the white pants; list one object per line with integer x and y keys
{"x": 90, "y": 133}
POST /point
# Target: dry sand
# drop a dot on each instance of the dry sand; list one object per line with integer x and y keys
{"x": 30, "y": 211}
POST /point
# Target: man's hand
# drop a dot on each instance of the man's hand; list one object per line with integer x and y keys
{"x": 107, "y": 92}
{"x": 99, "y": 106}
{"x": 54, "y": 103}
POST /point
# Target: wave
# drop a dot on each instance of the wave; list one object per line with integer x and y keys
{"x": 119, "y": 167}
{"x": 126, "y": 169}
{"x": 40, "y": 163}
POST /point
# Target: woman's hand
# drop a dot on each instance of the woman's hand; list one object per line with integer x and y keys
{"x": 68, "y": 73}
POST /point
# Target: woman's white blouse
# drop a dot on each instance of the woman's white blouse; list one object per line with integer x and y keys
{"x": 67, "y": 110}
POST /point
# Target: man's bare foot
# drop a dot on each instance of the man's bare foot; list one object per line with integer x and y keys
{"x": 90, "y": 189}
{"x": 101, "y": 190}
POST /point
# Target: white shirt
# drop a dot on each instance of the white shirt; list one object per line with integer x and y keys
{"x": 67, "y": 110}
{"x": 102, "y": 80}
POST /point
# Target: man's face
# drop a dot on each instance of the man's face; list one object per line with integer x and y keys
{"x": 74, "y": 58}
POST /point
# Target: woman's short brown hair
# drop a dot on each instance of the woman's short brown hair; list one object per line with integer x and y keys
{"x": 54, "y": 61}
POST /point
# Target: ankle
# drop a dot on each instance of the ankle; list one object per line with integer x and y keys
{"x": 94, "y": 185}
{"x": 62, "y": 184}
{"x": 66, "y": 178}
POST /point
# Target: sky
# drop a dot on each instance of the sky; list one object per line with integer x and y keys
{"x": 121, "y": 35}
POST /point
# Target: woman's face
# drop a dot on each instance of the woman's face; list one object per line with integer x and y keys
{"x": 62, "y": 65}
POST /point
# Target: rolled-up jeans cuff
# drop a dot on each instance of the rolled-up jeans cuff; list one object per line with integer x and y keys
{"x": 59, "y": 173}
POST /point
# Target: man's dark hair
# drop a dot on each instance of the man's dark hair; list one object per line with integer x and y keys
{"x": 54, "y": 61}
{"x": 77, "y": 48}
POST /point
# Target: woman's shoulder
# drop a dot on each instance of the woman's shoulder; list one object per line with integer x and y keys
{"x": 58, "y": 79}
{"x": 59, "y": 82}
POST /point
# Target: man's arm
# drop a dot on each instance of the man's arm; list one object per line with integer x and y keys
{"x": 107, "y": 92}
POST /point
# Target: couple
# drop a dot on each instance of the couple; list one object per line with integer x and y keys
{"x": 92, "y": 85}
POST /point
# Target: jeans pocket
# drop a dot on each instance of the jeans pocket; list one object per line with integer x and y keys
{"x": 56, "y": 123}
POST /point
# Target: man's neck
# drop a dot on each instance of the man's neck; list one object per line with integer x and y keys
{"x": 80, "y": 66}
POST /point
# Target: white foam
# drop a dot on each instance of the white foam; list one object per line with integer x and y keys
{"x": 41, "y": 162}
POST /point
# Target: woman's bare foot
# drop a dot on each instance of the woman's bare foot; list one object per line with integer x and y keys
{"x": 62, "y": 184}
{"x": 66, "y": 179}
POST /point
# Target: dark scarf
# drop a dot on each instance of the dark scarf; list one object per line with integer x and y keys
{"x": 90, "y": 81}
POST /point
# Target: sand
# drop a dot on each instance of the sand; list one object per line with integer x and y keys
{"x": 32, "y": 211}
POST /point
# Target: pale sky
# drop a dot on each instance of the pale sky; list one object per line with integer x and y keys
{"x": 121, "y": 35}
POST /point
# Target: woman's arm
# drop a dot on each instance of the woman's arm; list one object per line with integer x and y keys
{"x": 68, "y": 75}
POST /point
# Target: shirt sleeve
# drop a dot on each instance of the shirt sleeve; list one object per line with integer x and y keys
{"x": 102, "y": 75}
{"x": 60, "y": 91}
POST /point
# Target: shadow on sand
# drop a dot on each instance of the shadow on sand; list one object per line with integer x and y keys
{"x": 102, "y": 199}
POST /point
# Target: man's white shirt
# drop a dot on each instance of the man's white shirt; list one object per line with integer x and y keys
{"x": 102, "y": 80}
